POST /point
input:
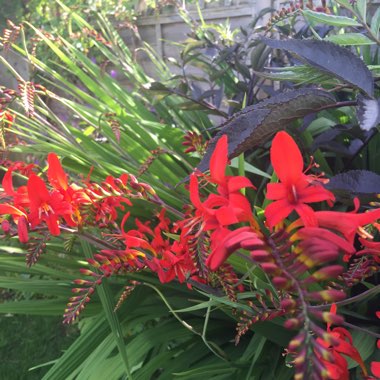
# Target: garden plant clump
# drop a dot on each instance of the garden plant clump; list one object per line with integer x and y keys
{"x": 244, "y": 249}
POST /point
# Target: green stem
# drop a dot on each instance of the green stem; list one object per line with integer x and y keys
{"x": 215, "y": 349}
{"x": 354, "y": 327}
{"x": 106, "y": 300}
{"x": 241, "y": 169}
{"x": 158, "y": 201}
{"x": 211, "y": 346}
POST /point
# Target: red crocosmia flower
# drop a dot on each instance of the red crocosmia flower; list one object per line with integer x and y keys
{"x": 229, "y": 206}
{"x": 375, "y": 366}
{"x": 20, "y": 218}
{"x": 20, "y": 197}
{"x": 20, "y": 203}
{"x": 338, "y": 370}
{"x": 56, "y": 175}
{"x": 227, "y": 242}
{"x": 175, "y": 263}
{"x": 168, "y": 260}
{"x": 22, "y": 167}
{"x": 4, "y": 114}
{"x": 46, "y": 206}
{"x": 371, "y": 248}
{"x": 295, "y": 188}
{"x": 72, "y": 194}
{"x": 348, "y": 224}
{"x": 375, "y": 369}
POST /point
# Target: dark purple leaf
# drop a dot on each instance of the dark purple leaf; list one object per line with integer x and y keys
{"x": 331, "y": 58}
{"x": 368, "y": 112}
{"x": 255, "y": 125}
{"x": 355, "y": 183}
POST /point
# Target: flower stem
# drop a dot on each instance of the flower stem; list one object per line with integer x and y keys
{"x": 354, "y": 327}
{"x": 360, "y": 297}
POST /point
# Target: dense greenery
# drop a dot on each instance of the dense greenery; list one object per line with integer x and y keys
{"x": 165, "y": 329}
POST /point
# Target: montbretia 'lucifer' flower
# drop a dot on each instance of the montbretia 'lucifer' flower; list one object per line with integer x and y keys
{"x": 338, "y": 369}
{"x": 46, "y": 206}
{"x": 229, "y": 206}
{"x": 295, "y": 188}
{"x": 72, "y": 194}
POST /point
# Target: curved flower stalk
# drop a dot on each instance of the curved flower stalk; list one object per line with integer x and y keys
{"x": 55, "y": 203}
{"x": 343, "y": 346}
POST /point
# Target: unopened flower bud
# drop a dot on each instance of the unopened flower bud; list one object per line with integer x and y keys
{"x": 292, "y": 323}
{"x": 281, "y": 282}
{"x": 5, "y": 225}
{"x": 288, "y": 304}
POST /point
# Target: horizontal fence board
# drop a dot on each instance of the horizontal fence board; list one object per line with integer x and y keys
{"x": 207, "y": 14}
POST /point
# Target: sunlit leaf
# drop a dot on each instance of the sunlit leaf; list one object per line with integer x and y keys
{"x": 329, "y": 19}
{"x": 350, "y": 39}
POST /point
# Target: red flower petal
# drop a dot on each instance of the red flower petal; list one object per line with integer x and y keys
{"x": 218, "y": 161}
{"x": 194, "y": 192}
{"x": 226, "y": 216}
{"x": 315, "y": 193}
{"x": 375, "y": 369}
{"x": 6, "y": 209}
{"x": 52, "y": 223}
{"x": 237, "y": 183}
{"x": 346, "y": 223}
{"x": 37, "y": 191}
{"x": 277, "y": 211}
{"x": 230, "y": 243}
{"x": 286, "y": 158}
{"x": 307, "y": 214}
{"x": 7, "y": 183}
{"x": 276, "y": 191}
{"x": 56, "y": 175}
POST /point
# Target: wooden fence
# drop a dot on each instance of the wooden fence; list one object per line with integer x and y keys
{"x": 163, "y": 32}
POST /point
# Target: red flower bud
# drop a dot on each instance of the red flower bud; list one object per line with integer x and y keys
{"x": 329, "y": 272}
{"x": 270, "y": 268}
{"x": 288, "y": 304}
{"x": 281, "y": 282}
{"x": 292, "y": 323}
{"x": 260, "y": 255}
{"x": 22, "y": 228}
{"x": 5, "y": 226}
{"x": 88, "y": 272}
{"x": 330, "y": 295}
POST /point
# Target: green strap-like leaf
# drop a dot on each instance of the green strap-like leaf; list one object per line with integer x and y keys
{"x": 333, "y": 20}
{"x": 107, "y": 303}
{"x": 350, "y": 39}
{"x": 375, "y": 22}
